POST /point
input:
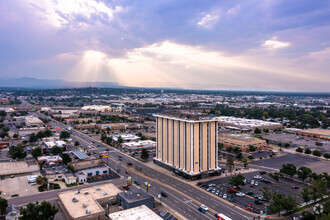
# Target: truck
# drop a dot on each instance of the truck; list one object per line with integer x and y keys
{"x": 221, "y": 216}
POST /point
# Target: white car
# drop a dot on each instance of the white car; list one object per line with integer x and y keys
{"x": 146, "y": 184}
{"x": 257, "y": 177}
{"x": 256, "y": 183}
{"x": 240, "y": 194}
{"x": 204, "y": 207}
{"x": 224, "y": 196}
{"x": 252, "y": 182}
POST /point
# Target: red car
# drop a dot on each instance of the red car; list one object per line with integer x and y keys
{"x": 125, "y": 187}
{"x": 232, "y": 190}
{"x": 249, "y": 207}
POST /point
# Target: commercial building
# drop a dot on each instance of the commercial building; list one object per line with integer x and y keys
{"x": 126, "y": 137}
{"x": 57, "y": 173}
{"x": 32, "y": 121}
{"x": 148, "y": 144}
{"x": 140, "y": 212}
{"x": 135, "y": 198}
{"x": 247, "y": 124}
{"x": 316, "y": 133}
{"x": 187, "y": 144}
{"x": 242, "y": 141}
{"x": 51, "y": 144}
{"x": 50, "y": 160}
{"x": 84, "y": 164}
{"x": 88, "y": 203}
{"x": 83, "y": 174}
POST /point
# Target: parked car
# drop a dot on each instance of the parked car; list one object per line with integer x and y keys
{"x": 137, "y": 182}
{"x": 252, "y": 182}
{"x": 212, "y": 184}
{"x": 295, "y": 187}
{"x": 258, "y": 202}
{"x": 224, "y": 196}
{"x": 262, "y": 172}
{"x": 240, "y": 194}
{"x": 220, "y": 194}
{"x": 208, "y": 188}
{"x": 217, "y": 192}
{"x": 232, "y": 190}
{"x": 213, "y": 190}
{"x": 129, "y": 164}
{"x": 204, "y": 207}
{"x": 248, "y": 181}
{"x": 250, "y": 193}
{"x": 231, "y": 199}
{"x": 265, "y": 181}
{"x": 125, "y": 187}
{"x": 163, "y": 194}
{"x": 256, "y": 183}
{"x": 257, "y": 177}
{"x": 249, "y": 207}
{"x": 201, "y": 210}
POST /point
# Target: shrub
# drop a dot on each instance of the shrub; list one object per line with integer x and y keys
{"x": 308, "y": 151}
{"x": 317, "y": 153}
{"x": 299, "y": 149}
{"x": 251, "y": 157}
{"x": 326, "y": 155}
{"x": 41, "y": 189}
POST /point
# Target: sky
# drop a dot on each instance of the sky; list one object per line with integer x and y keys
{"x": 269, "y": 45}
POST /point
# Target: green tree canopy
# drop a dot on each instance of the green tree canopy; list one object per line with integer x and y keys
{"x": 56, "y": 150}
{"x": 3, "y": 205}
{"x": 17, "y": 152}
{"x": 289, "y": 169}
{"x": 144, "y": 154}
{"x": 303, "y": 173}
{"x": 38, "y": 212}
{"x": 36, "y": 152}
{"x": 64, "y": 135}
{"x": 230, "y": 162}
{"x": 237, "y": 181}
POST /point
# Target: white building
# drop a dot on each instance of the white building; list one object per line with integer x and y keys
{"x": 51, "y": 144}
{"x": 140, "y": 145}
{"x": 140, "y": 212}
{"x": 126, "y": 137}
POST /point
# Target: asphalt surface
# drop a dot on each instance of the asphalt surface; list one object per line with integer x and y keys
{"x": 182, "y": 197}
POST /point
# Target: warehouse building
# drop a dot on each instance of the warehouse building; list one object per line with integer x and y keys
{"x": 32, "y": 121}
{"x": 140, "y": 212}
{"x": 187, "y": 144}
{"x": 88, "y": 203}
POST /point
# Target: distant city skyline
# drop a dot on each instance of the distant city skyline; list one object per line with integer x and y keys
{"x": 269, "y": 45}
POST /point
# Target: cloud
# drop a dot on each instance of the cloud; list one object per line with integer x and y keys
{"x": 75, "y": 12}
{"x": 273, "y": 43}
{"x": 210, "y": 19}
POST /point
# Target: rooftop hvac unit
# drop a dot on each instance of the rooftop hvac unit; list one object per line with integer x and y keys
{"x": 104, "y": 193}
{"x": 97, "y": 188}
{"x": 84, "y": 205}
{"x": 88, "y": 211}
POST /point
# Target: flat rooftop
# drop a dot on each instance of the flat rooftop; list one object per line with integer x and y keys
{"x": 87, "y": 199}
{"x": 240, "y": 138}
{"x": 188, "y": 116}
{"x": 10, "y": 168}
{"x": 135, "y": 195}
{"x": 140, "y": 212}
{"x": 319, "y": 131}
{"x": 246, "y": 122}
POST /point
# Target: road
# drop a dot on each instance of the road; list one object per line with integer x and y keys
{"x": 182, "y": 197}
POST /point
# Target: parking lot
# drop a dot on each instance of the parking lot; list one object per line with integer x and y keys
{"x": 302, "y": 142}
{"x": 18, "y": 185}
{"x": 283, "y": 186}
{"x": 318, "y": 166}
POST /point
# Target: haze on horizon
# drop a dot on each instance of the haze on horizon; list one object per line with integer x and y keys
{"x": 276, "y": 45}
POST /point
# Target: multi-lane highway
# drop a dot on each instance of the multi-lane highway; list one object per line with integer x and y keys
{"x": 182, "y": 197}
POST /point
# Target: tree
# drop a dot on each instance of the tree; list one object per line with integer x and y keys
{"x": 308, "y": 151}
{"x": 326, "y": 155}
{"x": 15, "y": 135}
{"x": 276, "y": 205}
{"x": 306, "y": 194}
{"x": 287, "y": 145}
{"x": 109, "y": 140}
{"x": 245, "y": 162}
{"x": 36, "y": 152}
{"x": 252, "y": 148}
{"x": 267, "y": 194}
{"x": 318, "y": 144}
{"x": 257, "y": 131}
{"x": 66, "y": 159}
{"x": 303, "y": 173}
{"x": 17, "y": 152}
{"x": 229, "y": 149}
{"x": 306, "y": 215}
{"x": 76, "y": 143}
{"x": 38, "y": 212}
{"x": 239, "y": 155}
{"x": 40, "y": 135}
{"x": 299, "y": 150}
{"x": 283, "y": 202}
{"x": 64, "y": 135}
{"x": 275, "y": 176}
{"x": 237, "y": 150}
{"x": 319, "y": 188}
{"x": 237, "y": 181}
{"x": 3, "y": 205}
{"x": 48, "y": 133}
{"x": 41, "y": 180}
{"x": 230, "y": 163}
{"x": 317, "y": 153}
{"x": 289, "y": 169}
{"x": 70, "y": 167}
{"x": 120, "y": 139}
{"x": 103, "y": 136}
{"x": 33, "y": 138}
{"x": 56, "y": 150}
{"x": 144, "y": 154}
